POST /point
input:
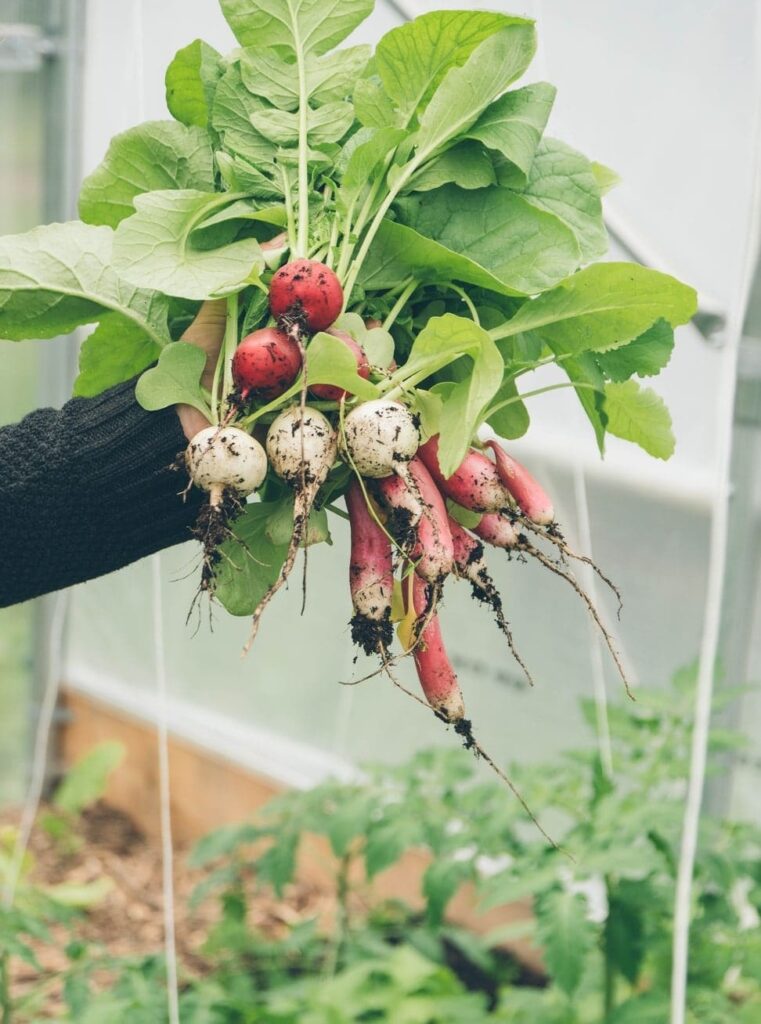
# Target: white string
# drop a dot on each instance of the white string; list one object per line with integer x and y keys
{"x": 162, "y": 728}
{"x": 41, "y": 741}
{"x": 167, "y": 846}
{"x": 595, "y": 647}
{"x": 715, "y": 588}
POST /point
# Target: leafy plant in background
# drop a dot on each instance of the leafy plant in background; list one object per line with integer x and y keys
{"x": 429, "y": 223}
{"x": 601, "y": 921}
{"x": 35, "y": 908}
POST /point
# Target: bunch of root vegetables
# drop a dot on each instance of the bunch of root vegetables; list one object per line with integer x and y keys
{"x": 405, "y": 540}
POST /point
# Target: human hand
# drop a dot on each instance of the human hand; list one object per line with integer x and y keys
{"x": 207, "y": 332}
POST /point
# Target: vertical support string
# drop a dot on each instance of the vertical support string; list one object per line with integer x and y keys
{"x": 167, "y": 845}
{"x": 595, "y": 648}
{"x": 41, "y": 746}
{"x": 715, "y": 588}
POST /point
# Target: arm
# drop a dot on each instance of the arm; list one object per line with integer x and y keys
{"x": 89, "y": 488}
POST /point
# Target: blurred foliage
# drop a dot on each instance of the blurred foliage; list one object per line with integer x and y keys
{"x": 602, "y": 901}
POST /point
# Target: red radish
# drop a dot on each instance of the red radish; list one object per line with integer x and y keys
{"x": 497, "y": 530}
{"x": 475, "y": 484}
{"x": 531, "y": 497}
{"x": 265, "y": 364}
{"x": 435, "y": 672}
{"x": 433, "y": 551}
{"x": 308, "y": 293}
{"x": 331, "y": 393}
{"x": 371, "y": 576}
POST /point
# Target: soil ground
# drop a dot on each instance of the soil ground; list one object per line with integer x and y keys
{"x": 128, "y": 920}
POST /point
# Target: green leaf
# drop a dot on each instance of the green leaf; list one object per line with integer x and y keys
{"x": 512, "y": 420}
{"x": 155, "y": 155}
{"x": 639, "y": 415}
{"x": 467, "y": 165}
{"x": 464, "y": 409}
{"x": 413, "y": 59}
{"x": 61, "y": 276}
{"x": 372, "y": 105}
{"x": 330, "y": 78}
{"x": 79, "y": 895}
{"x": 329, "y": 361}
{"x": 278, "y": 864}
{"x": 231, "y": 119}
{"x": 365, "y": 161}
{"x": 116, "y": 351}
{"x": 584, "y": 372}
{"x": 175, "y": 380}
{"x": 526, "y": 249}
{"x": 646, "y": 356}
{"x": 241, "y": 176}
{"x": 624, "y": 932}
{"x": 251, "y": 563}
{"x": 651, "y": 1008}
{"x": 280, "y": 524}
{"x": 191, "y": 81}
{"x": 561, "y": 181}
{"x": 377, "y": 343}
{"x": 514, "y": 123}
{"x": 318, "y": 26}
{"x": 328, "y": 123}
{"x": 153, "y": 247}
{"x": 602, "y": 307}
{"x": 566, "y": 936}
{"x": 441, "y": 881}
{"x": 465, "y": 92}
{"x": 387, "y": 840}
{"x": 605, "y": 177}
{"x": 86, "y": 781}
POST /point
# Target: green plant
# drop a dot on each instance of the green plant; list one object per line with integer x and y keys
{"x": 84, "y": 783}
{"x": 450, "y": 246}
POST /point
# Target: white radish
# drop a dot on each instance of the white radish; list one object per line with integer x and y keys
{"x": 380, "y": 437}
{"x": 222, "y": 458}
{"x": 302, "y": 449}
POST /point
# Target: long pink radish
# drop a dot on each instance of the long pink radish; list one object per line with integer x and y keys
{"x": 433, "y": 551}
{"x": 498, "y": 530}
{"x": 470, "y": 565}
{"x": 371, "y": 576}
{"x": 529, "y": 494}
{"x": 475, "y": 484}
{"x": 438, "y": 678}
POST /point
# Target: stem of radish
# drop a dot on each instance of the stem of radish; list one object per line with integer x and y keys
{"x": 228, "y": 350}
{"x": 400, "y": 303}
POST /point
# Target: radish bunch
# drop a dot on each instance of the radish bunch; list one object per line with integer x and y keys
{"x": 379, "y": 315}
{"x": 401, "y": 505}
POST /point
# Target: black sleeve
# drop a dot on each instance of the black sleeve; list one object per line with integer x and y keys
{"x": 88, "y": 489}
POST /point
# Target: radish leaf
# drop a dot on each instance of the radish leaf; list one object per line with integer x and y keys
{"x": 155, "y": 155}
{"x": 153, "y": 247}
{"x": 61, "y": 276}
{"x": 116, "y": 351}
{"x": 467, "y": 164}
{"x": 413, "y": 59}
{"x": 318, "y": 26}
{"x": 328, "y": 79}
{"x": 513, "y": 124}
{"x": 251, "y": 562}
{"x": 329, "y": 361}
{"x": 646, "y": 356}
{"x": 191, "y": 81}
{"x": 465, "y": 92}
{"x": 639, "y": 415}
{"x": 562, "y": 182}
{"x": 525, "y": 249}
{"x": 602, "y": 307}
{"x": 175, "y": 380}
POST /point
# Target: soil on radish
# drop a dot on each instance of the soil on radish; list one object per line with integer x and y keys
{"x": 372, "y": 635}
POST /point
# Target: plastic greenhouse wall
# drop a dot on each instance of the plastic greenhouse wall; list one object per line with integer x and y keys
{"x": 678, "y": 135}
